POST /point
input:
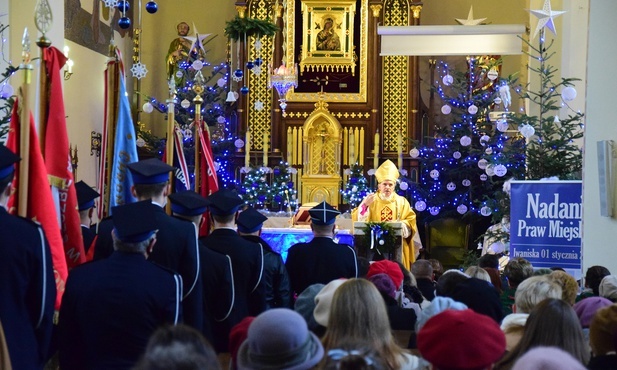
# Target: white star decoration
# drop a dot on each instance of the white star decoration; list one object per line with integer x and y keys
{"x": 545, "y": 17}
{"x": 259, "y": 105}
{"x": 139, "y": 70}
{"x": 470, "y": 21}
{"x": 110, "y": 3}
{"x": 201, "y": 38}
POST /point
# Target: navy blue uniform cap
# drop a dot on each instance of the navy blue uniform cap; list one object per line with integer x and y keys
{"x": 250, "y": 220}
{"x": 223, "y": 202}
{"x": 150, "y": 171}
{"x": 85, "y": 195}
{"x": 7, "y": 161}
{"x": 323, "y": 214}
{"x": 187, "y": 203}
{"x": 134, "y": 222}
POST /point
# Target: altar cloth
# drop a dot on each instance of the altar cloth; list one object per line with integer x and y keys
{"x": 281, "y": 239}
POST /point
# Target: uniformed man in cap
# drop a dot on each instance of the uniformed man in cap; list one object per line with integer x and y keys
{"x": 275, "y": 279}
{"x": 85, "y": 203}
{"x": 246, "y": 258}
{"x": 111, "y": 307}
{"x": 27, "y": 285}
{"x": 322, "y": 259}
{"x": 386, "y": 205}
{"x": 176, "y": 239}
{"x": 218, "y": 290}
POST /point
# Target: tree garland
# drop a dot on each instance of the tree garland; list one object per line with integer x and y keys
{"x": 238, "y": 28}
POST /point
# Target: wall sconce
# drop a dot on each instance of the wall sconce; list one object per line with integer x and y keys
{"x": 68, "y": 67}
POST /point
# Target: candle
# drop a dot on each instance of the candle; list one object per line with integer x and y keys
{"x": 400, "y": 150}
{"x": 247, "y": 149}
{"x": 289, "y": 139}
{"x": 352, "y": 141}
{"x": 361, "y": 144}
{"x": 376, "y": 151}
{"x": 265, "y": 149}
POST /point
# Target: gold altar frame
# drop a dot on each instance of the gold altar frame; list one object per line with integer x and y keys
{"x": 329, "y": 62}
{"x": 336, "y": 20}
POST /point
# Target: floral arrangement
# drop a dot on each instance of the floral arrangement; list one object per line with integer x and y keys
{"x": 379, "y": 238}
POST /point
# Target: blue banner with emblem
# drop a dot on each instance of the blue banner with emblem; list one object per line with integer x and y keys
{"x": 545, "y": 224}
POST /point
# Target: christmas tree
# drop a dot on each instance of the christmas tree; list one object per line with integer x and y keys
{"x": 7, "y": 98}
{"x": 473, "y": 153}
{"x": 255, "y": 190}
{"x": 357, "y": 186}
{"x": 283, "y": 195}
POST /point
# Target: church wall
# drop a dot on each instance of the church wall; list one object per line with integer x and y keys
{"x": 599, "y": 233}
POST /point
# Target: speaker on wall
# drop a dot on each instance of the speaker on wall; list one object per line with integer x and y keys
{"x": 605, "y": 176}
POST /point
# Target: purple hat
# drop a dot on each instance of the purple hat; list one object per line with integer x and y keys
{"x": 547, "y": 358}
{"x": 587, "y": 308}
{"x": 279, "y": 339}
{"x": 384, "y": 284}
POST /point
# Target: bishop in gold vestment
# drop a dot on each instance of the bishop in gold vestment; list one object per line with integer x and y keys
{"x": 386, "y": 205}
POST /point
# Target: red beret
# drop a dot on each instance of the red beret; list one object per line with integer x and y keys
{"x": 392, "y": 269}
{"x": 461, "y": 340}
{"x": 238, "y": 335}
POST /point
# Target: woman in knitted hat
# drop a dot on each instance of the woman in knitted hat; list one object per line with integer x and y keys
{"x": 554, "y": 323}
{"x": 358, "y": 314}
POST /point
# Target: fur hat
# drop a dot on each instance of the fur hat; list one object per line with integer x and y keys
{"x": 323, "y": 301}
{"x": 390, "y": 268}
{"x": 547, "y": 358}
{"x": 608, "y": 287}
{"x": 461, "y": 340}
{"x": 279, "y": 339}
{"x": 568, "y": 284}
{"x": 305, "y": 304}
{"x": 587, "y": 308}
{"x": 384, "y": 284}
{"x": 387, "y": 171}
{"x": 513, "y": 321}
{"x": 603, "y": 329}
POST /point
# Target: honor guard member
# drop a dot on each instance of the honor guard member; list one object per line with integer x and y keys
{"x": 112, "y": 306}
{"x": 275, "y": 278}
{"x": 218, "y": 290}
{"x": 385, "y": 205}
{"x": 322, "y": 259}
{"x": 27, "y": 285}
{"x": 85, "y": 203}
{"x": 176, "y": 246}
{"x": 246, "y": 258}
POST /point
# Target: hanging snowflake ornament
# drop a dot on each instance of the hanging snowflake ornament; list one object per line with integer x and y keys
{"x": 259, "y": 105}
{"x": 465, "y": 141}
{"x": 473, "y": 109}
{"x": 139, "y": 70}
{"x": 185, "y": 103}
{"x": 446, "y": 109}
{"x": 258, "y": 44}
{"x": 447, "y": 80}
{"x": 462, "y": 209}
{"x": 420, "y": 205}
{"x": 414, "y": 153}
{"x": 110, "y": 3}
{"x": 256, "y": 70}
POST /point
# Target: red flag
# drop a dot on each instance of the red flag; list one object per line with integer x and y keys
{"x": 209, "y": 181}
{"x": 40, "y": 202}
{"x": 58, "y": 161}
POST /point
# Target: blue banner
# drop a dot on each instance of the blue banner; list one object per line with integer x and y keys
{"x": 545, "y": 224}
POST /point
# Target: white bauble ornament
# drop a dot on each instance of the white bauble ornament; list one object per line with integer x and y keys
{"x": 484, "y": 139}
{"x": 370, "y": 172}
{"x": 185, "y": 103}
{"x": 451, "y": 186}
{"x": 187, "y": 133}
{"x": 6, "y": 91}
{"x": 179, "y": 74}
{"x": 354, "y": 189}
{"x": 462, "y": 209}
{"x": 420, "y": 205}
{"x": 483, "y": 177}
{"x": 456, "y": 155}
{"x": 414, "y": 153}
{"x": 434, "y": 211}
{"x": 434, "y": 174}
{"x": 147, "y": 107}
{"x": 446, "y": 109}
{"x": 465, "y": 141}
{"x": 502, "y": 125}
{"x": 568, "y": 93}
{"x": 466, "y": 182}
{"x": 221, "y": 82}
{"x": 239, "y": 143}
{"x": 482, "y": 163}
{"x": 472, "y": 109}
{"x": 486, "y": 211}
{"x": 492, "y": 74}
{"x": 220, "y": 119}
{"x": 404, "y": 186}
{"x": 381, "y": 242}
{"x": 346, "y": 171}
{"x": 489, "y": 150}
{"x": 447, "y": 80}
{"x": 197, "y": 65}
{"x": 140, "y": 142}
{"x": 490, "y": 170}
{"x": 526, "y": 130}
{"x": 501, "y": 170}
{"x": 497, "y": 100}
{"x": 497, "y": 247}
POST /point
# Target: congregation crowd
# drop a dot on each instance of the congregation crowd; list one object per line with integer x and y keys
{"x": 157, "y": 296}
